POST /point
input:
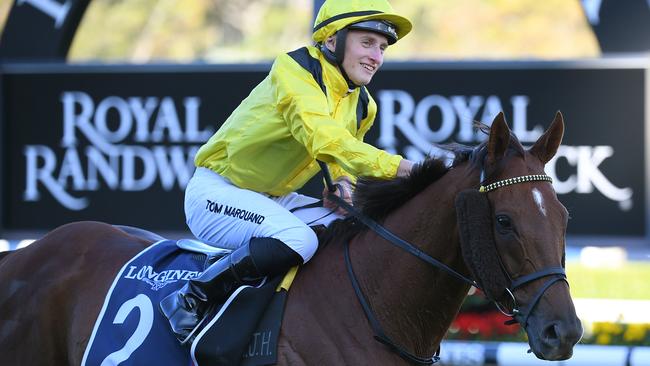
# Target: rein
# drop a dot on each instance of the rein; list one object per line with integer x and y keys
{"x": 380, "y": 336}
{"x": 516, "y": 314}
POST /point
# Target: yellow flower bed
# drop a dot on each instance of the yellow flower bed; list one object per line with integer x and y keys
{"x": 605, "y": 333}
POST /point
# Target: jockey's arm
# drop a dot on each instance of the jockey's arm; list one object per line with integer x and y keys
{"x": 404, "y": 168}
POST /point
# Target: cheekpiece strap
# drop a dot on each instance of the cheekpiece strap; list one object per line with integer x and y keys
{"x": 515, "y": 180}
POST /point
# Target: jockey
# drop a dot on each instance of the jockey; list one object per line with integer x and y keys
{"x": 313, "y": 105}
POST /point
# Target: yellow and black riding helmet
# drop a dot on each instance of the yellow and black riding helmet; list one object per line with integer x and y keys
{"x": 337, "y": 16}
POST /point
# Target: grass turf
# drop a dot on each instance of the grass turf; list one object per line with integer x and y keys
{"x": 630, "y": 281}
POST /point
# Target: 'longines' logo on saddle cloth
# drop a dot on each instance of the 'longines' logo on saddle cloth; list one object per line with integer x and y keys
{"x": 158, "y": 280}
{"x": 131, "y": 331}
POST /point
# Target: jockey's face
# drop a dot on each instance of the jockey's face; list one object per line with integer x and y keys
{"x": 364, "y": 54}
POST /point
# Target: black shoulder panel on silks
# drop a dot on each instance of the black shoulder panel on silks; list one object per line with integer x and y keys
{"x": 304, "y": 59}
{"x": 311, "y": 64}
{"x": 362, "y": 106}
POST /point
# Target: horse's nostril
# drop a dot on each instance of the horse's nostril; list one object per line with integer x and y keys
{"x": 551, "y": 334}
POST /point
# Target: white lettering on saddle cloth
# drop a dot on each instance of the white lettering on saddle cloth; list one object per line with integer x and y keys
{"x": 260, "y": 345}
{"x": 158, "y": 280}
{"x": 129, "y": 330}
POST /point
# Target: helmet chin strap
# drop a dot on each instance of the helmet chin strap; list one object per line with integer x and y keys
{"x": 338, "y": 55}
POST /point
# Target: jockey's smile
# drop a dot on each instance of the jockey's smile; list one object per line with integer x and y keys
{"x": 364, "y": 54}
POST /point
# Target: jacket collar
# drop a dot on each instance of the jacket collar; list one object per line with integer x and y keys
{"x": 333, "y": 77}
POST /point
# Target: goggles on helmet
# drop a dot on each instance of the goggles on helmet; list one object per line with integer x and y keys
{"x": 378, "y": 26}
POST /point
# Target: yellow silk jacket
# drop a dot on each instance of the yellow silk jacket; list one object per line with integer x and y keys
{"x": 302, "y": 111}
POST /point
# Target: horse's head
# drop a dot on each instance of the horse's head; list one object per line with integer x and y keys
{"x": 513, "y": 238}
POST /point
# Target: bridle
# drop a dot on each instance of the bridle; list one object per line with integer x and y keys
{"x": 516, "y": 314}
{"x": 555, "y": 273}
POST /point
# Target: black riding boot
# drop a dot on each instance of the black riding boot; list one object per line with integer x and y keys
{"x": 248, "y": 264}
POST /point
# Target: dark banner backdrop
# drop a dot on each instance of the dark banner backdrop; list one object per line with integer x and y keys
{"x": 40, "y": 30}
{"x": 115, "y": 144}
{"x": 112, "y": 147}
{"x": 620, "y": 26}
{"x": 599, "y": 172}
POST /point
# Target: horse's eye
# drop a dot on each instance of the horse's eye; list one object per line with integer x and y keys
{"x": 504, "y": 222}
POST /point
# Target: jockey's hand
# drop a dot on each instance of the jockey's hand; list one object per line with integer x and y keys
{"x": 405, "y": 168}
{"x": 344, "y": 190}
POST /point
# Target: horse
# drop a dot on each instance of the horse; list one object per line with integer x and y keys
{"x": 52, "y": 290}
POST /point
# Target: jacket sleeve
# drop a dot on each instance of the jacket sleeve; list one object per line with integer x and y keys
{"x": 337, "y": 172}
{"x": 304, "y": 107}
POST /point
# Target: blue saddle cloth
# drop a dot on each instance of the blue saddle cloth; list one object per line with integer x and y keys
{"x": 130, "y": 330}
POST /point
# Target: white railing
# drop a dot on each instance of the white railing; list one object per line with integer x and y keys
{"x": 457, "y": 353}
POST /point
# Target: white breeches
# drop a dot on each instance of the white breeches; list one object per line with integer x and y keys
{"x": 224, "y": 215}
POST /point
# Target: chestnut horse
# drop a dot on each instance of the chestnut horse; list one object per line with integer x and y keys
{"x": 51, "y": 292}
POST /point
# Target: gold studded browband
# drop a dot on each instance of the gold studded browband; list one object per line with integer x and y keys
{"x": 515, "y": 180}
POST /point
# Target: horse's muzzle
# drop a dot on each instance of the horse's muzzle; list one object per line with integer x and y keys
{"x": 555, "y": 339}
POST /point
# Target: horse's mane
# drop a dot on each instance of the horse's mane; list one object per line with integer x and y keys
{"x": 4, "y": 254}
{"x": 376, "y": 198}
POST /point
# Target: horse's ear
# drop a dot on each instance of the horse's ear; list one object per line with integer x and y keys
{"x": 547, "y": 144}
{"x": 499, "y": 139}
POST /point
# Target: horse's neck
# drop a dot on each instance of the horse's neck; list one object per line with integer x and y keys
{"x": 415, "y": 302}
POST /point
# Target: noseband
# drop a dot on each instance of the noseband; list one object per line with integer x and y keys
{"x": 555, "y": 274}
